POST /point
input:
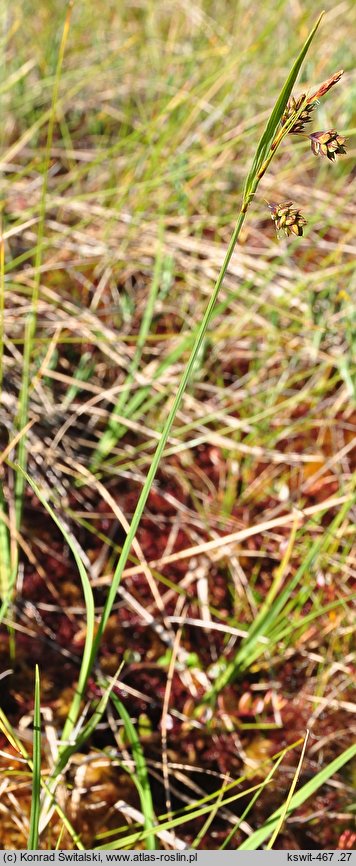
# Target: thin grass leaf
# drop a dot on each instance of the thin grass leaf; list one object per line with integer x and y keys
{"x": 83, "y": 373}
{"x": 89, "y": 608}
{"x": 251, "y": 648}
{"x": 253, "y": 800}
{"x": 133, "y": 838}
{"x": 208, "y": 821}
{"x": 86, "y": 732}
{"x": 11, "y": 736}
{"x": 142, "y": 779}
{"x": 67, "y": 751}
{"x": 256, "y": 840}
{"x": 293, "y": 628}
{"x": 5, "y": 560}
{"x": 36, "y": 767}
{"x": 285, "y": 807}
{"x": 8, "y": 538}
{"x": 5, "y": 557}
{"x": 14, "y": 740}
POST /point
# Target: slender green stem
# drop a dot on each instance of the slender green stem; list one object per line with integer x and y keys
{"x": 164, "y": 437}
{"x": 285, "y": 807}
{"x": 36, "y": 768}
{"x": 140, "y": 776}
{"x": 255, "y": 842}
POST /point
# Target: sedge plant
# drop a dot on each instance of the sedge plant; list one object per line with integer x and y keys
{"x": 288, "y": 117}
{"x": 278, "y": 127}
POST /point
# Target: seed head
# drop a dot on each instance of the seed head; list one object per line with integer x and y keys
{"x": 294, "y": 105}
{"x": 288, "y": 218}
{"x": 327, "y": 143}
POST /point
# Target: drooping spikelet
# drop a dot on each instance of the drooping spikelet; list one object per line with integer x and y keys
{"x": 327, "y": 143}
{"x": 287, "y": 218}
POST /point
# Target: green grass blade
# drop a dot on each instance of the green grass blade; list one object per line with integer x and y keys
{"x": 256, "y": 840}
{"x": 5, "y": 558}
{"x": 163, "y": 440}
{"x": 208, "y": 821}
{"x": 89, "y": 607}
{"x": 251, "y": 648}
{"x": 90, "y": 727}
{"x": 36, "y": 767}
{"x": 285, "y": 807}
{"x": 80, "y": 739}
{"x": 170, "y": 824}
{"x": 253, "y": 801}
{"x": 81, "y": 374}
{"x": 17, "y": 745}
{"x": 143, "y": 785}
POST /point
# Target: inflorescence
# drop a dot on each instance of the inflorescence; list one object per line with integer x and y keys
{"x": 323, "y": 143}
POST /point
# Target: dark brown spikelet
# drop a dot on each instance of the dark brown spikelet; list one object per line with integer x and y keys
{"x": 327, "y": 143}
{"x": 287, "y": 218}
{"x": 294, "y": 105}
